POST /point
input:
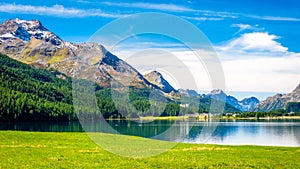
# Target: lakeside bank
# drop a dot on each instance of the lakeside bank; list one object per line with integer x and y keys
{"x": 76, "y": 150}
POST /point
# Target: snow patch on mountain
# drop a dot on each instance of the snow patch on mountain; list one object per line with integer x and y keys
{"x": 25, "y": 30}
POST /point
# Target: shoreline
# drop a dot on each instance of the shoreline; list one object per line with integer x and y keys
{"x": 205, "y": 118}
{"x": 263, "y": 118}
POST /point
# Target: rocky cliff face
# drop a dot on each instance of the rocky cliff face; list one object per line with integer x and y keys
{"x": 278, "y": 101}
{"x": 30, "y": 42}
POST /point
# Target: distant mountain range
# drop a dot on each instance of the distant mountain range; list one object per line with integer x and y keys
{"x": 30, "y": 42}
{"x": 278, "y": 101}
{"x": 246, "y": 104}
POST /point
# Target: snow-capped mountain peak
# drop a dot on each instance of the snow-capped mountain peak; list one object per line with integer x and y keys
{"x": 27, "y": 29}
{"x": 30, "y": 25}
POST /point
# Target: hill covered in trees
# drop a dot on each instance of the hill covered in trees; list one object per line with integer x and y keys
{"x": 32, "y": 94}
{"x": 29, "y": 93}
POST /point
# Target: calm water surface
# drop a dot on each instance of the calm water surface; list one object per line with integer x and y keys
{"x": 270, "y": 133}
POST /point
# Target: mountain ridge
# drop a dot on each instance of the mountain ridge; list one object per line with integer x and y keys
{"x": 30, "y": 42}
{"x": 278, "y": 101}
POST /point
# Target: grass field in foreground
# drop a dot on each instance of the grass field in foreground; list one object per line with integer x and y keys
{"x": 75, "y": 150}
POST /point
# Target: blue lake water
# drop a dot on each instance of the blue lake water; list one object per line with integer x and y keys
{"x": 270, "y": 133}
{"x": 252, "y": 133}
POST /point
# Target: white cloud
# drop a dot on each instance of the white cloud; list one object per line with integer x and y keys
{"x": 55, "y": 10}
{"x": 257, "y": 62}
{"x": 255, "y": 42}
{"x": 262, "y": 74}
{"x": 163, "y": 7}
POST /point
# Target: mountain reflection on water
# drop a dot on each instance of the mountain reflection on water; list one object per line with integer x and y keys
{"x": 242, "y": 132}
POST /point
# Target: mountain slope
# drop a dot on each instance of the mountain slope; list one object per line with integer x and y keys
{"x": 278, "y": 101}
{"x": 33, "y": 94}
{"x": 30, "y": 42}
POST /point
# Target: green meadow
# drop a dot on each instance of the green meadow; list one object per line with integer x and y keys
{"x": 20, "y": 149}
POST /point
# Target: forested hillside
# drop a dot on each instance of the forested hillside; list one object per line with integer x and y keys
{"x": 28, "y": 93}
{"x": 32, "y": 94}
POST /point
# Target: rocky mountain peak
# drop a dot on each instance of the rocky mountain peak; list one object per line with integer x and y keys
{"x": 189, "y": 92}
{"x": 156, "y": 76}
{"x": 156, "y": 73}
{"x": 250, "y": 100}
{"x": 158, "y": 80}
{"x": 30, "y": 25}
{"x": 217, "y": 92}
{"x": 27, "y": 29}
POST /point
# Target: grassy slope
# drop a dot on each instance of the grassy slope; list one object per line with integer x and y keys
{"x": 69, "y": 150}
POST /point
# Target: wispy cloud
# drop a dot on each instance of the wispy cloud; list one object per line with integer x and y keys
{"x": 250, "y": 16}
{"x": 244, "y": 27}
{"x": 55, "y": 10}
{"x": 196, "y": 18}
{"x": 163, "y": 7}
{"x": 197, "y": 14}
{"x": 202, "y": 14}
{"x": 275, "y": 18}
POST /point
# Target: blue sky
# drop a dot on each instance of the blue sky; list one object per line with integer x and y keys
{"x": 74, "y": 21}
{"x": 254, "y": 39}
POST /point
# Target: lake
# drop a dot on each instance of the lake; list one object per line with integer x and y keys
{"x": 240, "y": 132}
